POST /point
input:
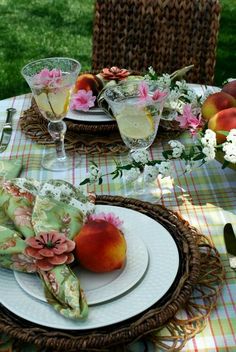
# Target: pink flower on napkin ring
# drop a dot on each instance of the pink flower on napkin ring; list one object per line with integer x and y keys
{"x": 50, "y": 249}
{"x": 115, "y": 73}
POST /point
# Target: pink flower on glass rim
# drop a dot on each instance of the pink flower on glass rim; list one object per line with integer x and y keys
{"x": 109, "y": 217}
{"x": 188, "y": 119}
{"x": 50, "y": 249}
{"x": 82, "y": 100}
{"x": 47, "y": 78}
{"x": 115, "y": 73}
{"x": 143, "y": 91}
{"x": 158, "y": 95}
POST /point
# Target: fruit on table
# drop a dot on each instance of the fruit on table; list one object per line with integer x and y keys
{"x": 215, "y": 103}
{"x": 88, "y": 81}
{"x": 100, "y": 246}
{"x": 224, "y": 120}
{"x": 230, "y": 88}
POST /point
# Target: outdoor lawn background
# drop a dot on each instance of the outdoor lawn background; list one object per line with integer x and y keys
{"x": 33, "y": 29}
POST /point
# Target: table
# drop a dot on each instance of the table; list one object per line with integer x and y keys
{"x": 206, "y": 198}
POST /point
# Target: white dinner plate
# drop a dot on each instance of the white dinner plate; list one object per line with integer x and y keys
{"x": 97, "y": 115}
{"x": 93, "y": 115}
{"x": 160, "y": 274}
{"x": 101, "y": 287}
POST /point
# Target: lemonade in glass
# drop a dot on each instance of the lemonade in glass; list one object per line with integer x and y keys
{"x": 51, "y": 81}
{"x": 137, "y": 107}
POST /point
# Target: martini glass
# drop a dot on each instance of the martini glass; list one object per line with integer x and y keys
{"x": 137, "y": 107}
{"x": 51, "y": 81}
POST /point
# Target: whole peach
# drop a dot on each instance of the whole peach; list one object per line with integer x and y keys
{"x": 230, "y": 88}
{"x": 100, "y": 246}
{"x": 215, "y": 103}
{"x": 88, "y": 81}
{"x": 224, "y": 120}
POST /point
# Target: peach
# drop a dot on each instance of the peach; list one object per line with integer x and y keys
{"x": 88, "y": 81}
{"x": 215, "y": 103}
{"x": 224, "y": 120}
{"x": 230, "y": 88}
{"x": 100, "y": 246}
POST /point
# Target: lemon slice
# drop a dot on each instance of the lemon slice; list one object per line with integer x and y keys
{"x": 58, "y": 101}
{"x": 135, "y": 123}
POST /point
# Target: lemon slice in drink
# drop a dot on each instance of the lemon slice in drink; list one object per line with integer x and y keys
{"x": 137, "y": 124}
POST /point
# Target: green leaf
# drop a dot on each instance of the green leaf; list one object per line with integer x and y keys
{"x": 86, "y": 180}
{"x": 100, "y": 180}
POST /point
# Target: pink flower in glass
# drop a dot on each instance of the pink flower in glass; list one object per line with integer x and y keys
{"x": 82, "y": 100}
{"x": 50, "y": 249}
{"x": 109, "y": 217}
{"x": 47, "y": 78}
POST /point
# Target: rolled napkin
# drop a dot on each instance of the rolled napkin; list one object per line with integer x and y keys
{"x": 40, "y": 222}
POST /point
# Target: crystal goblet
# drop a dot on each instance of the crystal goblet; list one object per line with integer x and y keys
{"x": 137, "y": 107}
{"x": 51, "y": 81}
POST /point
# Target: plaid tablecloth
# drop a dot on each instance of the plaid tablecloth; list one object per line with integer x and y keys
{"x": 206, "y": 198}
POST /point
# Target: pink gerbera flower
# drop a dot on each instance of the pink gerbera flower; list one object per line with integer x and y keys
{"x": 82, "y": 100}
{"x": 50, "y": 249}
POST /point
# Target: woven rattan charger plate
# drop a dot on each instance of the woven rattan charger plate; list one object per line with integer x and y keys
{"x": 85, "y": 137}
{"x": 196, "y": 290}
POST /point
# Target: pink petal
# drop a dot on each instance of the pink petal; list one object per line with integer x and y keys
{"x": 143, "y": 90}
{"x": 44, "y": 265}
{"x": 46, "y": 252}
{"x": 70, "y": 246}
{"x": 58, "y": 259}
{"x": 60, "y": 249}
{"x": 31, "y": 241}
{"x": 32, "y": 252}
{"x": 158, "y": 95}
{"x": 58, "y": 236}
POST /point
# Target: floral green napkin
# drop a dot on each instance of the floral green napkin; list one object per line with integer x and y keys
{"x": 10, "y": 168}
{"x": 36, "y": 236}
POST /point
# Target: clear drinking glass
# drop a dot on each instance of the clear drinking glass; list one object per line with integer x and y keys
{"x": 51, "y": 81}
{"x": 137, "y": 107}
{"x": 137, "y": 114}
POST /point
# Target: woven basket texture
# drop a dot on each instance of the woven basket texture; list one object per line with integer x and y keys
{"x": 86, "y": 138}
{"x": 164, "y": 34}
{"x": 195, "y": 290}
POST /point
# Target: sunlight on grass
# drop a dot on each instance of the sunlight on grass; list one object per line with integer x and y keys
{"x": 34, "y": 29}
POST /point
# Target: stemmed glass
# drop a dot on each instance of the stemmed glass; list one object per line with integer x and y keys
{"x": 137, "y": 107}
{"x": 51, "y": 81}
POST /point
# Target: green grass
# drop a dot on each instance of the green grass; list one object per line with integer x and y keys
{"x": 32, "y": 29}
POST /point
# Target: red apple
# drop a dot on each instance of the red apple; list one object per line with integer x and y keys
{"x": 88, "y": 81}
{"x": 100, "y": 246}
{"x": 215, "y": 103}
{"x": 230, "y": 88}
{"x": 224, "y": 120}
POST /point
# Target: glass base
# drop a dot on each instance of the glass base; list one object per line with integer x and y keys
{"x": 51, "y": 162}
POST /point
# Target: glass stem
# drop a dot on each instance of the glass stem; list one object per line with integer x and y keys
{"x": 57, "y": 130}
